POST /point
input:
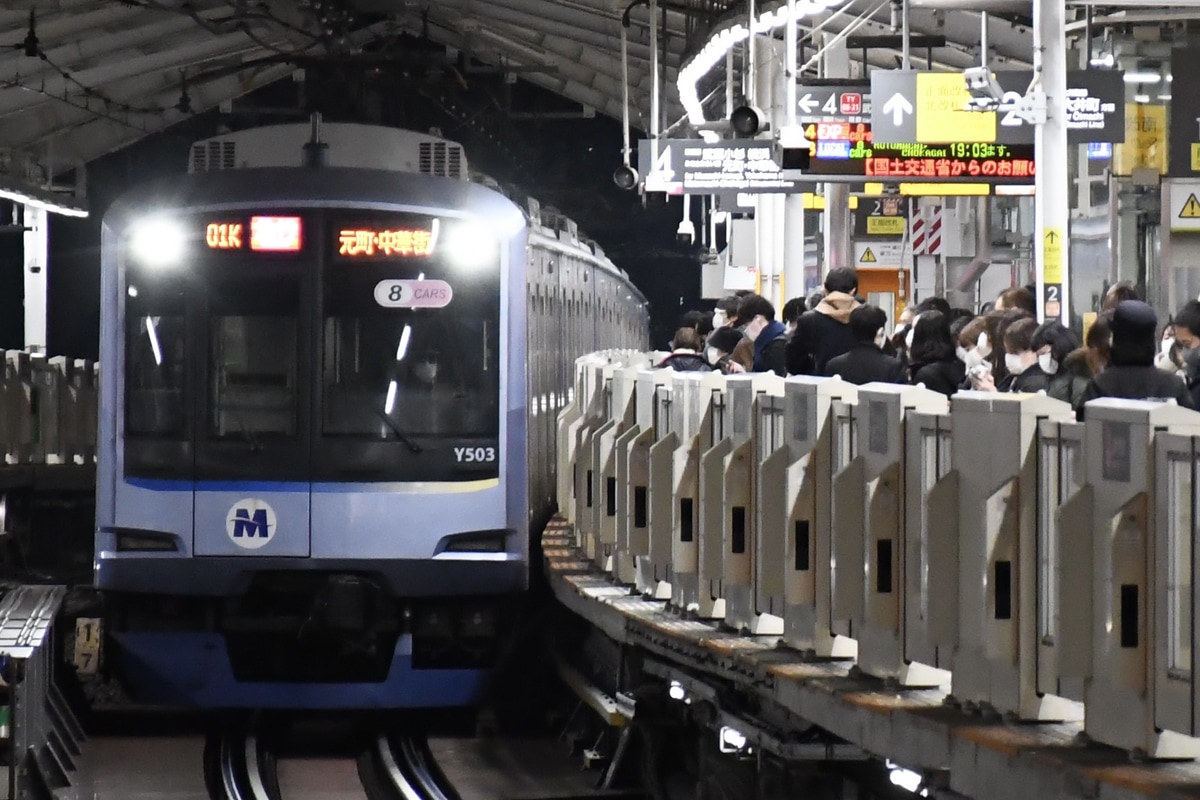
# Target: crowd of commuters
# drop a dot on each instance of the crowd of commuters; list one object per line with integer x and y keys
{"x": 1001, "y": 349}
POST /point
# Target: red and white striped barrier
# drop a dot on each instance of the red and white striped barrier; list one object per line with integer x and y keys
{"x": 927, "y": 231}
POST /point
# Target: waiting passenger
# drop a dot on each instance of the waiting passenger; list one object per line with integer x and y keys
{"x": 685, "y": 353}
{"x": 719, "y": 351}
{"x": 725, "y": 314}
{"x": 792, "y": 311}
{"x": 823, "y": 333}
{"x": 865, "y": 361}
{"x": 1132, "y": 374}
{"x": 1063, "y": 361}
{"x": 1016, "y": 297}
{"x": 767, "y": 333}
{"x": 931, "y": 360}
{"x": 1118, "y": 293}
{"x": 1025, "y": 374}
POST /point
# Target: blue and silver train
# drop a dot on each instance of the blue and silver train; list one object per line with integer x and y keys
{"x": 330, "y": 372}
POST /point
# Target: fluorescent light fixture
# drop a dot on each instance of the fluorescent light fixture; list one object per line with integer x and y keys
{"x": 731, "y": 740}
{"x": 132, "y": 291}
{"x": 1106, "y": 60}
{"x": 1143, "y": 77}
{"x": 721, "y": 42}
{"x": 389, "y": 405}
{"x": 157, "y": 242}
{"x": 1141, "y": 98}
{"x": 676, "y": 691}
{"x": 1164, "y": 97}
{"x": 52, "y": 206}
{"x": 153, "y": 334}
{"x": 402, "y": 348}
{"x": 1015, "y": 190}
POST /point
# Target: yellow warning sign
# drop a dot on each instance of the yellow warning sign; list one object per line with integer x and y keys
{"x": 868, "y": 257}
{"x": 1191, "y": 208}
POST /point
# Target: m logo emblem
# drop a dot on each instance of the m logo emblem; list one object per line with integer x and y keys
{"x": 251, "y": 523}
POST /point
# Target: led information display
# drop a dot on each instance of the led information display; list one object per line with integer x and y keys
{"x": 357, "y": 242}
{"x": 853, "y": 152}
{"x": 267, "y": 235}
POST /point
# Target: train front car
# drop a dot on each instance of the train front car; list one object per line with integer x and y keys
{"x": 311, "y": 481}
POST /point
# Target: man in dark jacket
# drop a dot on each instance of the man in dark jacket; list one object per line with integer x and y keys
{"x": 1133, "y": 375}
{"x": 865, "y": 361}
{"x": 765, "y": 331}
{"x": 823, "y": 333}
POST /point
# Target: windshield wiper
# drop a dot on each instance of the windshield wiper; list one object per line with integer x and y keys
{"x": 413, "y": 447}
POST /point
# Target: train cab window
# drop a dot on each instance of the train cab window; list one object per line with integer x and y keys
{"x": 252, "y": 376}
{"x": 155, "y": 359}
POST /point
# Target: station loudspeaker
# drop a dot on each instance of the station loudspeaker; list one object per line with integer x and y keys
{"x": 625, "y": 177}
{"x": 747, "y": 120}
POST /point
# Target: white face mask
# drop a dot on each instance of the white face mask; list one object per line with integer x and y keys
{"x": 879, "y": 338}
{"x": 972, "y": 359}
{"x": 1047, "y": 363}
{"x": 961, "y": 353}
{"x": 1012, "y": 362}
{"x": 719, "y": 320}
{"x": 713, "y": 355}
{"x": 982, "y": 346}
{"x": 908, "y": 338}
{"x": 1166, "y": 345}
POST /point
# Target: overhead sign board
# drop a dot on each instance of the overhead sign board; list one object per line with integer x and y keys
{"x": 850, "y": 103}
{"x": 881, "y": 216}
{"x": 1184, "y": 140}
{"x": 929, "y": 107}
{"x": 692, "y": 166}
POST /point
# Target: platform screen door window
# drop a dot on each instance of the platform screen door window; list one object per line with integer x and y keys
{"x": 1181, "y": 502}
{"x": 253, "y": 359}
{"x": 155, "y": 362}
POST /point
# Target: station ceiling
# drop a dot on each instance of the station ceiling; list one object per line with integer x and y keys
{"x": 83, "y": 78}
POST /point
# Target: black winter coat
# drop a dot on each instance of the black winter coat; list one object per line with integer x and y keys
{"x": 940, "y": 376}
{"x": 1135, "y": 383}
{"x": 865, "y": 363}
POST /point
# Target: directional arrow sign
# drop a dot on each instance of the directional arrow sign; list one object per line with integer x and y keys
{"x": 1052, "y": 236}
{"x": 897, "y": 105}
{"x": 806, "y": 103}
{"x": 894, "y": 119}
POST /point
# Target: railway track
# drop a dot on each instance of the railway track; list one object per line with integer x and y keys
{"x": 241, "y": 763}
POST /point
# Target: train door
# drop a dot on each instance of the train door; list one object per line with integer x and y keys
{"x": 252, "y": 438}
{"x": 886, "y": 288}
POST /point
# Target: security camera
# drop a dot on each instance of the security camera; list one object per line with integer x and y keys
{"x": 747, "y": 120}
{"x": 625, "y": 177}
{"x": 686, "y": 232}
{"x": 792, "y": 150}
{"x": 982, "y": 84}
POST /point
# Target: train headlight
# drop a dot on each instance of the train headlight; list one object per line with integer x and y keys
{"x": 469, "y": 246}
{"x": 157, "y": 242}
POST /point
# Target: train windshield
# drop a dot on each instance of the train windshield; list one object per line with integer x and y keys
{"x": 155, "y": 359}
{"x": 411, "y": 346}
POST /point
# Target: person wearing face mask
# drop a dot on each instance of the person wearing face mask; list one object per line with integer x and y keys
{"x": 1132, "y": 373}
{"x": 725, "y": 314}
{"x": 766, "y": 332}
{"x": 932, "y": 362}
{"x": 792, "y": 311}
{"x": 719, "y": 348}
{"x": 824, "y": 332}
{"x": 1060, "y": 357}
{"x": 1021, "y": 362}
{"x": 865, "y": 361}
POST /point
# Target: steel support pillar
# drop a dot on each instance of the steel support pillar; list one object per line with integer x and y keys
{"x": 1052, "y": 180}
{"x": 839, "y": 249}
{"x": 766, "y": 217}
{"x": 36, "y": 261}
{"x": 793, "y": 247}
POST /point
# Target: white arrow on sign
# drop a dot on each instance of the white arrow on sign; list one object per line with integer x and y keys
{"x": 806, "y": 103}
{"x": 897, "y": 105}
